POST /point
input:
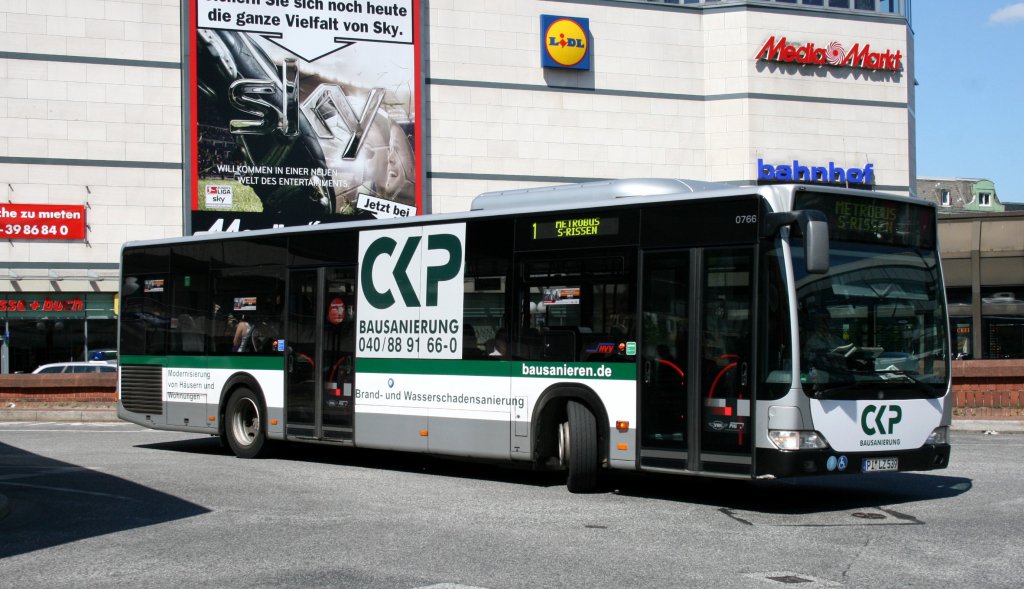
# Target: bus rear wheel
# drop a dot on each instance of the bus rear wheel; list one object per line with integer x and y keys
{"x": 243, "y": 425}
{"x": 577, "y": 448}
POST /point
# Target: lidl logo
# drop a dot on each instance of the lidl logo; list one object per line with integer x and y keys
{"x": 565, "y": 42}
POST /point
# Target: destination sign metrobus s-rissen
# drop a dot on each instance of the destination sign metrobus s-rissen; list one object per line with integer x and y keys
{"x": 873, "y": 220}
{"x": 576, "y": 227}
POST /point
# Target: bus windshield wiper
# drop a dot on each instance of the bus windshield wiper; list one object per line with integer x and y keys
{"x": 883, "y": 385}
{"x": 842, "y": 390}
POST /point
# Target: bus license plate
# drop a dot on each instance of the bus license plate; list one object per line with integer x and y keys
{"x": 880, "y": 465}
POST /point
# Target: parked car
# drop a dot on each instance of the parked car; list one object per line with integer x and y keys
{"x": 74, "y": 368}
{"x": 108, "y": 356}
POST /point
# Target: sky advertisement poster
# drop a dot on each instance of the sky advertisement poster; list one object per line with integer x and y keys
{"x": 304, "y": 112}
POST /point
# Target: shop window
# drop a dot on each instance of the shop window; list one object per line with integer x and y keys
{"x": 1003, "y": 322}
{"x": 963, "y": 343}
{"x": 1004, "y": 337}
{"x": 839, "y": 3}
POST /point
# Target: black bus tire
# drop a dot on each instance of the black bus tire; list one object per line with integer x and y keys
{"x": 582, "y": 454}
{"x": 244, "y": 424}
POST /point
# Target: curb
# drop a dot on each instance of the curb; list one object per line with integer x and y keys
{"x": 76, "y": 415}
{"x": 988, "y": 425}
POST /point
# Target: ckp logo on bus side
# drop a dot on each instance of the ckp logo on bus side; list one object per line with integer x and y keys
{"x": 565, "y": 42}
{"x": 410, "y": 292}
{"x": 401, "y": 260}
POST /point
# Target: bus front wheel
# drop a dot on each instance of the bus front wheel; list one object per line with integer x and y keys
{"x": 244, "y": 427}
{"x": 577, "y": 448}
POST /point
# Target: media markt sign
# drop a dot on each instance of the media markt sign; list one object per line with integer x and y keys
{"x": 833, "y": 53}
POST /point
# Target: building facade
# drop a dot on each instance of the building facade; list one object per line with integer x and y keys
{"x": 698, "y": 90}
{"x": 98, "y": 144}
{"x": 981, "y": 240}
{"x": 959, "y": 195}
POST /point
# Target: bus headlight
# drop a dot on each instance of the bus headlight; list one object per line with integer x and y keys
{"x": 797, "y": 440}
{"x": 939, "y": 435}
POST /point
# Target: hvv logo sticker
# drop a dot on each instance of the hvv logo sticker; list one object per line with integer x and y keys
{"x": 565, "y": 42}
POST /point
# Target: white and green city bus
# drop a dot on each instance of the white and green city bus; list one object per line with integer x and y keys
{"x": 639, "y": 325}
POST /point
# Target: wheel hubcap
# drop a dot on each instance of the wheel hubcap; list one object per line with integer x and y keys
{"x": 563, "y": 444}
{"x": 246, "y": 423}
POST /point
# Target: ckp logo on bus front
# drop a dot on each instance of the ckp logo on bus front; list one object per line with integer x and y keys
{"x": 565, "y": 42}
{"x": 409, "y": 302}
{"x": 880, "y": 419}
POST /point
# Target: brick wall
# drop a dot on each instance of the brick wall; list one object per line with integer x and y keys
{"x": 988, "y": 388}
{"x": 58, "y": 388}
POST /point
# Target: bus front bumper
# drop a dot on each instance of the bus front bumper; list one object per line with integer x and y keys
{"x": 782, "y": 463}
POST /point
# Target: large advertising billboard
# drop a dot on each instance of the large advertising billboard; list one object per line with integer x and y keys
{"x": 304, "y": 112}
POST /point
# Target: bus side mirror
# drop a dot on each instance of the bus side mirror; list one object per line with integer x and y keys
{"x": 814, "y": 226}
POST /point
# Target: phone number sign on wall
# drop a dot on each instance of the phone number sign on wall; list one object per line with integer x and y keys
{"x": 42, "y": 222}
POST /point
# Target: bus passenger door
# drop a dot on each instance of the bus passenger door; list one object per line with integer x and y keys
{"x": 726, "y": 352}
{"x": 320, "y": 354}
{"x": 695, "y": 360}
{"x": 338, "y": 349}
{"x": 664, "y": 359}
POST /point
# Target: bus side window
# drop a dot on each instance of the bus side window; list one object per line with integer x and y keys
{"x": 560, "y": 344}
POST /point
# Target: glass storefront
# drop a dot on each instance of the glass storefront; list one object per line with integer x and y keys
{"x": 1001, "y": 333}
{"x": 40, "y": 328}
{"x": 1002, "y": 322}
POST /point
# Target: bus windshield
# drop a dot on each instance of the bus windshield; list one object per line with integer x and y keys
{"x": 873, "y": 325}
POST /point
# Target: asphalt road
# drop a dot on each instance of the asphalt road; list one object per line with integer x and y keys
{"x": 113, "y": 505}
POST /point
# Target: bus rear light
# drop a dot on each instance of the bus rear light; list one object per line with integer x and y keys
{"x": 622, "y": 426}
{"x": 797, "y": 440}
{"x": 939, "y": 435}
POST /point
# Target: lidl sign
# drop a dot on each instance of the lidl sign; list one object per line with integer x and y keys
{"x": 565, "y": 42}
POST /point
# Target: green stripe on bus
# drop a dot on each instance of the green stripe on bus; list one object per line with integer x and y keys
{"x": 562, "y": 370}
{"x": 226, "y": 362}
